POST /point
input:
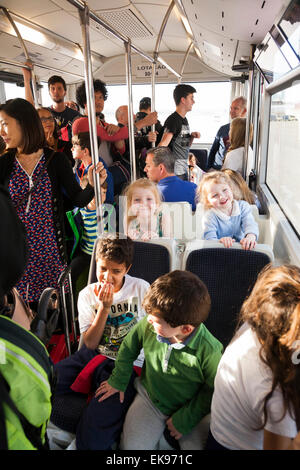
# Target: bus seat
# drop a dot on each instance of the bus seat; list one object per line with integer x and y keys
{"x": 201, "y": 157}
{"x": 229, "y": 274}
{"x": 151, "y": 259}
{"x": 182, "y": 219}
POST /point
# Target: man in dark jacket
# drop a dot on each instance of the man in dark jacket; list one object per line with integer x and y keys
{"x": 221, "y": 143}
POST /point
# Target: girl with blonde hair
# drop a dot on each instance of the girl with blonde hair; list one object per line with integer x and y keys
{"x": 144, "y": 218}
{"x": 235, "y": 155}
{"x": 225, "y": 218}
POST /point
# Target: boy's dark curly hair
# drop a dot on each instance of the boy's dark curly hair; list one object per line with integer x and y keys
{"x": 117, "y": 248}
{"x": 81, "y": 94}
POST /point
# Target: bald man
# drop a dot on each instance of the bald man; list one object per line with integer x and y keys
{"x": 221, "y": 143}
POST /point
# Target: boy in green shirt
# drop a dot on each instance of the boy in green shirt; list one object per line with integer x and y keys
{"x": 181, "y": 358}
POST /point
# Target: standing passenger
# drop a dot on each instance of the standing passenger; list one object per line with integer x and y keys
{"x": 36, "y": 178}
{"x": 220, "y": 145}
{"x": 177, "y": 133}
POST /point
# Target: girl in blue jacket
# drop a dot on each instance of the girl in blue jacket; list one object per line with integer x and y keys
{"x": 226, "y": 219}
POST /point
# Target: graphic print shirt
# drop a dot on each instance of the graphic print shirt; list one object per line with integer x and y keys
{"x": 180, "y": 143}
{"x": 126, "y": 310}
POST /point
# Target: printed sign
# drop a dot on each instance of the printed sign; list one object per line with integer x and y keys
{"x": 145, "y": 70}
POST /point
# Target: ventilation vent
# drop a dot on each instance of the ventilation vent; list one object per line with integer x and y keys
{"x": 126, "y": 21}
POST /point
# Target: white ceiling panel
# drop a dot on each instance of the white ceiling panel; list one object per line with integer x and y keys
{"x": 30, "y": 8}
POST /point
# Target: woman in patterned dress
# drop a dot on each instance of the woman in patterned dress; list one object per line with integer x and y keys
{"x": 30, "y": 165}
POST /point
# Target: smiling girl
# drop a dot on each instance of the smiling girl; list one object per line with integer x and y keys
{"x": 226, "y": 219}
{"x": 144, "y": 219}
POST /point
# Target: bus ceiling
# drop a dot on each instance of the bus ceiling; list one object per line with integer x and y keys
{"x": 189, "y": 40}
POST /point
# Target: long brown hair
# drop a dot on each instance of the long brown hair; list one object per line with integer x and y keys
{"x": 237, "y": 133}
{"x": 239, "y": 186}
{"x": 273, "y": 312}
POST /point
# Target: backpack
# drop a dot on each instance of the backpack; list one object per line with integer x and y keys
{"x": 26, "y": 387}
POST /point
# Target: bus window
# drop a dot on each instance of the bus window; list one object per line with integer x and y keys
{"x": 13, "y": 91}
{"x": 283, "y": 152}
{"x": 209, "y": 113}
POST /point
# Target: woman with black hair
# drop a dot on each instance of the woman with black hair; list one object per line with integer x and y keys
{"x": 37, "y": 177}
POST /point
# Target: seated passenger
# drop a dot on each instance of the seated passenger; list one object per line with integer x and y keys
{"x": 226, "y": 219}
{"x": 144, "y": 219}
{"x": 108, "y": 310}
{"x": 255, "y": 404}
{"x": 159, "y": 167}
{"x": 240, "y": 188}
{"x": 195, "y": 173}
{"x": 181, "y": 359}
{"x": 235, "y": 155}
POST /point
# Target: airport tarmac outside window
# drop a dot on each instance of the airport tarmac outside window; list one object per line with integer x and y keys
{"x": 283, "y": 152}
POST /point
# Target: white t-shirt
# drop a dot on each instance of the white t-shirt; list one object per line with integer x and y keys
{"x": 234, "y": 160}
{"x": 241, "y": 385}
{"x": 126, "y": 310}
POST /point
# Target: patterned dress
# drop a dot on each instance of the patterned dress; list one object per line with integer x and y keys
{"x": 44, "y": 265}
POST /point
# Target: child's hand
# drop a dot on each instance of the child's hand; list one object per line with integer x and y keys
{"x": 105, "y": 293}
{"x": 173, "y": 431}
{"x": 106, "y": 391}
{"x": 99, "y": 169}
{"x": 249, "y": 242}
{"x": 227, "y": 241}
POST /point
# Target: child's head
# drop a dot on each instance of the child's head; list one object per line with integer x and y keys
{"x": 237, "y": 133}
{"x": 141, "y": 194}
{"x": 192, "y": 159}
{"x": 214, "y": 191}
{"x": 103, "y": 189}
{"x": 273, "y": 307}
{"x": 176, "y": 299}
{"x": 114, "y": 257}
{"x": 239, "y": 186}
{"x": 273, "y": 312}
{"x": 82, "y": 146}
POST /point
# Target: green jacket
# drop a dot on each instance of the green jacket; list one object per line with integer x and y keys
{"x": 28, "y": 372}
{"x": 179, "y": 382}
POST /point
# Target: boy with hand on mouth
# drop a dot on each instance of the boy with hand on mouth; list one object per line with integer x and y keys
{"x": 108, "y": 309}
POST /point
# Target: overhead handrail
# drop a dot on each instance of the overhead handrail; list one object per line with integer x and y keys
{"x": 81, "y": 5}
{"x": 156, "y": 57}
{"x": 185, "y": 59}
{"x": 89, "y": 87}
{"x": 33, "y": 79}
{"x": 15, "y": 63}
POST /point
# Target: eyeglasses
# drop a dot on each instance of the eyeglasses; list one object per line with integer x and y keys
{"x": 44, "y": 119}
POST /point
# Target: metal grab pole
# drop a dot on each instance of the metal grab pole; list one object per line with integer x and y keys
{"x": 248, "y": 118}
{"x": 130, "y": 110}
{"x": 33, "y": 80}
{"x": 155, "y": 58}
{"x": 89, "y": 89}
